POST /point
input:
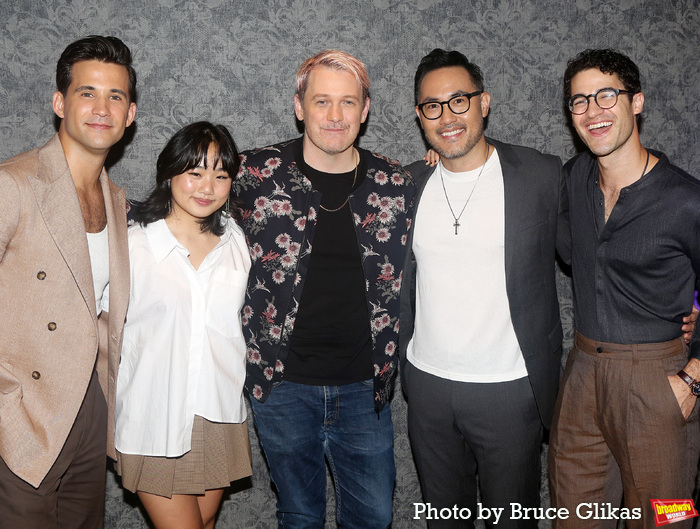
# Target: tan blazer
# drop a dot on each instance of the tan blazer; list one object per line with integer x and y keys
{"x": 48, "y": 320}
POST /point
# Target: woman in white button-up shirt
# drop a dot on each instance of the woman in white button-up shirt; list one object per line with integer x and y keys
{"x": 181, "y": 431}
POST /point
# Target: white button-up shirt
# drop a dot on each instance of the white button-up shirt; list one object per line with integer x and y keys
{"x": 183, "y": 353}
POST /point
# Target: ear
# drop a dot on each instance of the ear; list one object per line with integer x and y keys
{"x": 298, "y": 108}
{"x": 57, "y": 103}
{"x": 365, "y": 111}
{"x": 485, "y": 104}
{"x": 638, "y": 103}
{"x": 131, "y": 114}
{"x": 420, "y": 116}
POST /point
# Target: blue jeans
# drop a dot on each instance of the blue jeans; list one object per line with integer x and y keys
{"x": 301, "y": 426}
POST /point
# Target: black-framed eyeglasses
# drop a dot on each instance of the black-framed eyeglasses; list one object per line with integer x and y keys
{"x": 458, "y": 104}
{"x": 605, "y": 98}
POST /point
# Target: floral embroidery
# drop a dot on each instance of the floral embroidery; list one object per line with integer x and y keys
{"x": 279, "y": 219}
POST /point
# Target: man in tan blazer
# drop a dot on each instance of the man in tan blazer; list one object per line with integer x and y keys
{"x": 62, "y": 240}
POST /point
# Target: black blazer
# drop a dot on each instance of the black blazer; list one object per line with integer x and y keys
{"x": 532, "y": 184}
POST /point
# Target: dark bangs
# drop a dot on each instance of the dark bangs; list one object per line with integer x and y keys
{"x": 184, "y": 151}
{"x": 190, "y": 146}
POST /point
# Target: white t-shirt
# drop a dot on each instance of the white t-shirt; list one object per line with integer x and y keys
{"x": 183, "y": 352}
{"x": 463, "y": 330}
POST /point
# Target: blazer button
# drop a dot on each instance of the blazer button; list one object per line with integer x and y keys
{"x": 52, "y": 326}
{"x": 36, "y": 375}
{"x": 41, "y": 275}
{"x": 599, "y": 349}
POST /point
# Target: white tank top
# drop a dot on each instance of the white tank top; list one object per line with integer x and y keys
{"x": 98, "y": 245}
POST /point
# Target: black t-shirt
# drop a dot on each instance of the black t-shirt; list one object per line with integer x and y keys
{"x": 331, "y": 341}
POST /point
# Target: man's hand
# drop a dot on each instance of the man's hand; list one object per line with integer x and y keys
{"x": 686, "y": 400}
{"x": 689, "y": 325}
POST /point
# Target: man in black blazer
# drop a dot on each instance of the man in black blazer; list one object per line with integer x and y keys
{"x": 480, "y": 330}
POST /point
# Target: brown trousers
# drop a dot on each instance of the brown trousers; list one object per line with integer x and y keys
{"x": 72, "y": 495}
{"x": 618, "y": 432}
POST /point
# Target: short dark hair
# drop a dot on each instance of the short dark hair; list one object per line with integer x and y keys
{"x": 439, "y": 58}
{"x": 94, "y": 48}
{"x": 608, "y": 61}
{"x": 185, "y": 150}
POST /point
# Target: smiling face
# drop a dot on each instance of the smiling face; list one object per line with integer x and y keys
{"x": 454, "y": 136}
{"x": 332, "y": 111}
{"x": 95, "y": 109}
{"x": 605, "y": 131}
{"x": 199, "y": 191}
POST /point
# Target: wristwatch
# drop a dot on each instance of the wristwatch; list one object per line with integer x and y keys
{"x": 693, "y": 384}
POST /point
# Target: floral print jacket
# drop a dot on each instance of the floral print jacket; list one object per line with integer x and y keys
{"x": 279, "y": 217}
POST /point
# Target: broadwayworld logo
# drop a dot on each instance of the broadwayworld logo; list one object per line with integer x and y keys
{"x": 669, "y": 511}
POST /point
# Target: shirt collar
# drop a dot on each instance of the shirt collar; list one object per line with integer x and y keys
{"x": 650, "y": 178}
{"x": 162, "y": 240}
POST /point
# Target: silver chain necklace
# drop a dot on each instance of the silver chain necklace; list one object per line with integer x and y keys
{"x": 456, "y": 223}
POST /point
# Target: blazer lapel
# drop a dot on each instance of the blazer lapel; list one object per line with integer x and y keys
{"x": 119, "y": 280}
{"x": 59, "y": 206}
{"x": 514, "y": 191}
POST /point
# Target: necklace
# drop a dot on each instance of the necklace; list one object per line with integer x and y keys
{"x": 613, "y": 199}
{"x": 645, "y": 165}
{"x": 456, "y": 223}
{"x": 354, "y": 179}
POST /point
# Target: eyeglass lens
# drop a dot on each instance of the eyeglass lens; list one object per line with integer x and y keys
{"x": 604, "y": 98}
{"x": 458, "y": 104}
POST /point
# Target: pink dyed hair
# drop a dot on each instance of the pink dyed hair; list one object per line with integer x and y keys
{"x": 334, "y": 60}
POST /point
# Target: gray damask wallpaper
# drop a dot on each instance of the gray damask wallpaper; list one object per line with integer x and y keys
{"x": 233, "y": 62}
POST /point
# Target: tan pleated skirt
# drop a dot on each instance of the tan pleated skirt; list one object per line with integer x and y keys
{"x": 220, "y": 454}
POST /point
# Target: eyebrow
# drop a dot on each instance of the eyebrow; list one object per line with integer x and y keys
{"x": 598, "y": 90}
{"x": 450, "y": 96}
{"x": 89, "y": 87}
{"x": 347, "y": 96}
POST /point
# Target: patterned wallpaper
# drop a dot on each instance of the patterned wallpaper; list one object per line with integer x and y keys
{"x": 233, "y": 62}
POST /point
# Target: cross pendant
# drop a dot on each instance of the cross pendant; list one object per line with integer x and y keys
{"x": 456, "y": 225}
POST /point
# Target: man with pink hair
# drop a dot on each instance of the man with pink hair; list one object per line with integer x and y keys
{"x": 327, "y": 224}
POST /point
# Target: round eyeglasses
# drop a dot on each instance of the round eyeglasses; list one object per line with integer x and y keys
{"x": 605, "y": 98}
{"x": 458, "y": 104}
